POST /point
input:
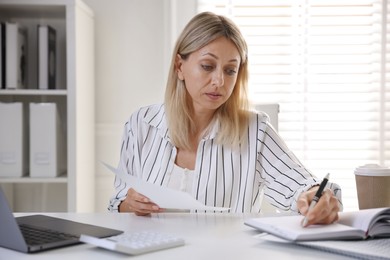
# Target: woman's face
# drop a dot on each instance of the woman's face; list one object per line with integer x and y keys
{"x": 210, "y": 74}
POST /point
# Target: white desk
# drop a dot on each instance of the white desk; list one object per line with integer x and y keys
{"x": 208, "y": 236}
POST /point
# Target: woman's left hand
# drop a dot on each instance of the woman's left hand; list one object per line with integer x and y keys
{"x": 324, "y": 212}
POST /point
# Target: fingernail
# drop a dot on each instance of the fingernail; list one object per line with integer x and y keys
{"x": 155, "y": 208}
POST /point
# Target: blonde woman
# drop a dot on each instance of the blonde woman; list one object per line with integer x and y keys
{"x": 205, "y": 140}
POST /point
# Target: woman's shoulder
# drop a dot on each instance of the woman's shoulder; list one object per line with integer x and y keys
{"x": 258, "y": 116}
{"x": 147, "y": 112}
{"x": 146, "y": 116}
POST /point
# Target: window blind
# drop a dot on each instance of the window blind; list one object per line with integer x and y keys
{"x": 326, "y": 62}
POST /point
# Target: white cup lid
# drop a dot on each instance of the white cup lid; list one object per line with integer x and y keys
{"x": 372, "y": 170}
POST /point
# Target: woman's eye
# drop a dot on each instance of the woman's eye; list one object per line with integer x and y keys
{"x": 207, "y": 67}
{"x": 231, "y": 72}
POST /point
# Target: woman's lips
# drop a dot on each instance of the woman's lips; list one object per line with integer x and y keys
{"x": 214, "y": 95}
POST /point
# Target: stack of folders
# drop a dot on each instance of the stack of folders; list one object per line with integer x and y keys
{"x": 39, "y": 149}
{"x": 13, "y": 56}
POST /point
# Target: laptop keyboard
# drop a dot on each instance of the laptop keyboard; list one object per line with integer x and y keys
{"x": 37, "y": 236}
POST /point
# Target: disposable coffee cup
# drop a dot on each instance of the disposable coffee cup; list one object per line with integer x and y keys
{"x": 373, "y": 186}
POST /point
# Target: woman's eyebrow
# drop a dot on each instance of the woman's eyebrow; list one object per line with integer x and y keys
{"x": 216, "y": 57}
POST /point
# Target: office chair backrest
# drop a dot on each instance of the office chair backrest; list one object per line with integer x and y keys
{"x": 272, "y": 110}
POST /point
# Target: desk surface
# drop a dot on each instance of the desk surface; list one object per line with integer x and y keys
{"x": 207, "y": 236}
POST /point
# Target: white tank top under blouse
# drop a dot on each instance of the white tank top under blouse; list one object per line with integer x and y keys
{"x": 181, "y": 179}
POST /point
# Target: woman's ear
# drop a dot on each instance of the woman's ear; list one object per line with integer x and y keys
{"x": 178, "y": 67}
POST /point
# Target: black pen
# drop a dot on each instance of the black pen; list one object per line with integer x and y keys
{"x": 316, "y": 197}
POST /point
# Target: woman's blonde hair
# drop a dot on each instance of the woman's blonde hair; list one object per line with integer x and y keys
{"x": 233, "y": 114}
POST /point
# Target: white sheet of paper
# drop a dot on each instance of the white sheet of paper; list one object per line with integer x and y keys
{"x": 163, "y": 196}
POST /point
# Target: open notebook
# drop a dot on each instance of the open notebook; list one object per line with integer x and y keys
{"x": 363, "y": 224}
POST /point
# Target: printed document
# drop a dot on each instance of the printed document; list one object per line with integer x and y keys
{"x": 164, "y": 197}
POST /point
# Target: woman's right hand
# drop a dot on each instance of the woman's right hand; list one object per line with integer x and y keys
{"x": 139, "y": 204}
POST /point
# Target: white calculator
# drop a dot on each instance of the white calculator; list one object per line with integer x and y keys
{"x": 135, "y": 243}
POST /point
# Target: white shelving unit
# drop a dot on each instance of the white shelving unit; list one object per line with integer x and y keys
{"x": 74, "y": 22}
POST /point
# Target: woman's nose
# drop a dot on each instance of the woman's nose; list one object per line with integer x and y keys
{"x": 218, "y": 79}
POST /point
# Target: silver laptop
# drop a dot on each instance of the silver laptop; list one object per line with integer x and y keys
{"x": 35, "y": 233}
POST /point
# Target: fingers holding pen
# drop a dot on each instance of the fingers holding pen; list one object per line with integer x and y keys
{"x": 324, "y": 212}
{"x": 328, "y": 208}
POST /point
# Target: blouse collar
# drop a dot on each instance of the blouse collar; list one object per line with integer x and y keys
{"x": 155, "y": 117}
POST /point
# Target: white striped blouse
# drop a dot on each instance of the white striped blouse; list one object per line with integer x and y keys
{"x": 223, "y": 177}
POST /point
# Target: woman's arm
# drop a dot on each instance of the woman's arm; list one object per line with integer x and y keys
{"x": 289, "y": 185}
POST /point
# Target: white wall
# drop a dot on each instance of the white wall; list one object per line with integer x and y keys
{"x": 133, "y": 41}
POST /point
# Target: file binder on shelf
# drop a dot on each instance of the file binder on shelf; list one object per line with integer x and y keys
{"x": 13, "y": 141}
{"x": 15, "y": 56}
{"x": 2, "y": 55}
{"x": 46, "y": 57}
{"x": 47, "y": 149}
